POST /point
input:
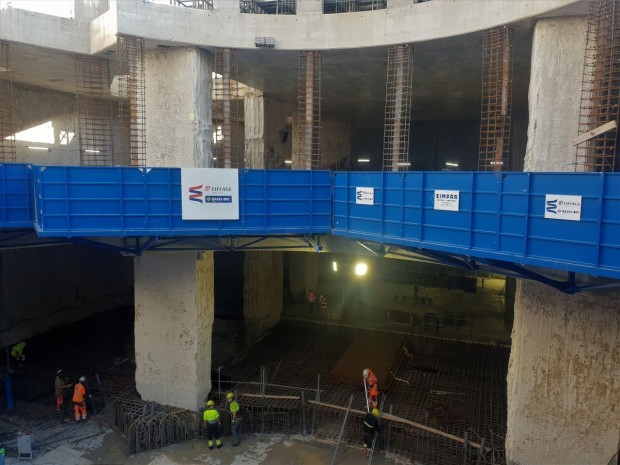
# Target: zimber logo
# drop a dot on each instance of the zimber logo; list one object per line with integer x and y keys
{"x": 195, "y": 194}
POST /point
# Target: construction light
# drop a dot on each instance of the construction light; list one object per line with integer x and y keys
{"x": 404, "y": 164}
{"x": 361, "y": 269}
{"x": 38, "y": 148}
{"x": 335, "y": 266}
{"x": 449, "y": 163}
{"x": 497, "y": 163}
{"x": 288, "y": 162}
{"x": 363, "y": 160}
{"x": 91, "y": 151}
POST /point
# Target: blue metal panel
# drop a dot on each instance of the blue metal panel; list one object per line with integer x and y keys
{"x": 114, "y": 201}
{"x": 16, "y": 200}
{"x": 500, "y": 216}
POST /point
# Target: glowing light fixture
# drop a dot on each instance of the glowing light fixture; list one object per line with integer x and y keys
{"x": 361, "y": 269}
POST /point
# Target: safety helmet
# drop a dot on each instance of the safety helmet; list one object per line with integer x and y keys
{"x": 365, "y": 372}
{"x": 210, "y": 403}
{"x": 230, "y": 395}
{"x": 82, "y": 379}
{"x": 59, "y": 372}
{"x": 375, "y": 412}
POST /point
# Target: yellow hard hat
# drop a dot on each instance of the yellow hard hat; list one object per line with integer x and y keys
{"x": 210, "y": 403}
{"x": 375, "y": 412}
{"x": 230, "y": 395}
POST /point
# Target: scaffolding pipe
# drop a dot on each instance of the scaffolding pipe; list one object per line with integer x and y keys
{"x": 344, "y": 423}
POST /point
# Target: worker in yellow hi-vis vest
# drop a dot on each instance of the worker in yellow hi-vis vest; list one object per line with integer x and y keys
{"x": 211, "y": 418}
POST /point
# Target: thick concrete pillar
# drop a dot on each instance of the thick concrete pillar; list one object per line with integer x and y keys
{"x": 174, "y": 317}
{"x": 262, "y": 292}
{"x": 90, "y": 9}
{"x": 179, "y": 129}
{"x": 254, "y": 124}
{"x": 174, "y": 292}
{"x": 563, "y": 379}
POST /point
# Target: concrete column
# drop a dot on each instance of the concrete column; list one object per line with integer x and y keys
{"x": 563, "y": 378}
{"x": 90, "y": 9}
{"x": 262, "y": 292}
{"x": 174, "y": 292}
{"x": 174, "y": 317}
{"x": 179, "y": 129}
{"x": 309, "y": 6}
{"x": 254, "y": 119}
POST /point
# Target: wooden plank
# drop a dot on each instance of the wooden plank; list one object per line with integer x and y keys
{"x": 595, "y": 132}
{"x": 402, "y": 421}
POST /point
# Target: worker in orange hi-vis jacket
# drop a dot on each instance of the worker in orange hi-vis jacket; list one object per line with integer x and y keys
{"x": 311, "y": 299}
{"x": 79, "y": 399}
{"x": 369, "y": 377}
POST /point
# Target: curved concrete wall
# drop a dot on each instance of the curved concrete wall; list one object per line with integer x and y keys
{"x": 316, "y": 31}
{"x": 309, "y": 29}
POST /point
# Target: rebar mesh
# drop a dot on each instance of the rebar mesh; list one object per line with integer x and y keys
{"x": 309, "y": 112}
{"x": 496, "y": 111}
{"x": 456, "y": 388}
{"x": 196, "y": 4}
{"x": 600, "y": 92}
{"x": 398, "y": 108}
{"x": 94, "y": 111}
{"x": 228, "y": 137}
{"x": 346, "y": 6}
{"x": 7, "y": 108}
{"x": 270, "y": 7}
{"x": 131, "y": 105}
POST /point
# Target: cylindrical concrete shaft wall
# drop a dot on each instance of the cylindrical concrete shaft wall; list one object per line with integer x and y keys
{"x": 563, "y": 378}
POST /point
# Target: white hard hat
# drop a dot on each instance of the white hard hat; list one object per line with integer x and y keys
{"x": 365, "y": 372}
{"x": 82, "y": 379}
{"x": 59, "y": 372}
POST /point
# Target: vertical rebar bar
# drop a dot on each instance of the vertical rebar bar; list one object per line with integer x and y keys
{"x": 7, "y": 107}
{"x": 227, "y": 112}
{"x": 600, "y": 92}
{"x": 496, "y": 110}
{"x": 398, "y": 108}
{"x": 94, "y": 109}
{"x": 131, "y": 105}
{"x": 344, "y": 423}
{"x": 308, "y": 155}
{"x": 303, "y": 412}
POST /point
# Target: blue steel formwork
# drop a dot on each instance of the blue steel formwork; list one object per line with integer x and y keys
{"x": 500, "y": 217}
{"x": 114, "y": 201}
{"x": 16, "y": 196}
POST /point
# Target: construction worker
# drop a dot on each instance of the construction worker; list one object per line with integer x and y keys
{"x": 370, "y": 377}
{"x": 323, "y": 302}
{"x": 371, "y": 427}
{"x": 235, "y": 419}
{"x": 311, "y": 299}
{"x": 17, "y": 352}
{"x": 372, "y": 387}
{"x": 211, "y": 418}
{"x": 79, "y": 399}
{"x": 60, "y": 388}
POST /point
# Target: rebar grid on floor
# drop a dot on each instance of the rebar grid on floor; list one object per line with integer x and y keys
{"x": 346, "y": 6}
{"x": 496, "y": 111}
{"x": 600, "y": 92}
{"x": 398, "y": 108}
{"x": 131, "y": 105}
{"x": 94, "y": 104}
{"x": 7, "y": 107}
{"x": 196, "y": 4}
{"x": 454, "y": 387}
{"x": 270, "y": 7}
{"x": 227, "y": 111}
{"x": 308, "y": 121}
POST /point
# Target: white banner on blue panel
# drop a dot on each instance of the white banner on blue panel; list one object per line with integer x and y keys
{"x": 209, "y": 194}
{"x": 365, "y": 195}
{"x": 563, "y": 207}
{"x": 447, "y": 200}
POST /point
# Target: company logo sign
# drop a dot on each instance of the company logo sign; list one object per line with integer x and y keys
{"x": 563, "y": 207}
{"x": 365, "y": 195}
{"x": 210, "y": 194}
{"x": 447, "y": 200}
